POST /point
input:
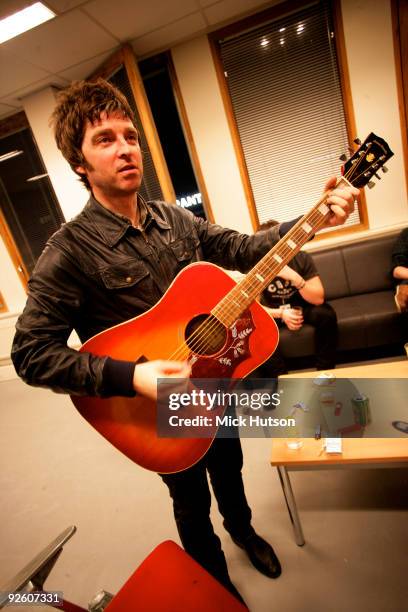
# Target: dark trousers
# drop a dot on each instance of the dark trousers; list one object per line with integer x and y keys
{"x": 323, "y": 318}
{"x": 192, "y": 500}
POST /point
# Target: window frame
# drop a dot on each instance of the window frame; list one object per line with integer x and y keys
{"x": 399, "y": 16}
{"x": 125, "y": 57}
{"x": 8, "y": 126}
{"x": 286, "y": 8}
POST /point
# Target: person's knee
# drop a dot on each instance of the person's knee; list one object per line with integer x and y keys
{"x": 325, "y": 315}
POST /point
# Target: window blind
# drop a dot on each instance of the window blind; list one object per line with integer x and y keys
{"x": 285, "y": 90}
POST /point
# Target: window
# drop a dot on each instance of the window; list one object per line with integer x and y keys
{"x": 156, "y": 75}
{"x": 28, "y": 203}
{"x": 284, "y": 85}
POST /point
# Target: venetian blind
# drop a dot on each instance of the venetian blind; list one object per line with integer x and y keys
{"x": 285, "y": 91}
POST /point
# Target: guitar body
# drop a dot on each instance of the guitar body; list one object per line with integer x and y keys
{"x": 130, "y": 423}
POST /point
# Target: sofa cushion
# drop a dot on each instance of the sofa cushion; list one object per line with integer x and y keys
{"x": 368, "y": 265}
{"x": 367, "y": 320}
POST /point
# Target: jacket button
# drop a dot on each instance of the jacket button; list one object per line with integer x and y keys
{"x": 128, "y": 279}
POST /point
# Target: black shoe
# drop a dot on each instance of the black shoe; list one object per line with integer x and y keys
{"x": 261, "y": 555}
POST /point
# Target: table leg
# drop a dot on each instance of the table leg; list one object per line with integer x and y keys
{"x": 291, "y": 504}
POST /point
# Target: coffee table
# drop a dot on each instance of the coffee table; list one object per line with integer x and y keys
{"x": 356, "y": 452}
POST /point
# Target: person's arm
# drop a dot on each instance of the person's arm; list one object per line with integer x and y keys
{"x": 311, "y": 290}
{"x": 40, "y": 353}
{"x": 236, "y": 251}
{"x": 400, "y": 272}
{"x": 399, "y": 256}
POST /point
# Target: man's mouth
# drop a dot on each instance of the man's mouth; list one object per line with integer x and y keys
{"x": 128, "y": 168}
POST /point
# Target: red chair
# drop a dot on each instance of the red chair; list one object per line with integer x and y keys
{"x": 168, "y": 580}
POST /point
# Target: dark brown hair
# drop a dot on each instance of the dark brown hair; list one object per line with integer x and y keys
{"x": 84, "y": 101}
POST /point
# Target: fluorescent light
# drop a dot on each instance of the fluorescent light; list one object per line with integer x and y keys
{"x": 10, "y": 155}
{"x": 37, "y": 177}
{"x": 264, "y": 42}
{"x": 24, "y": 20}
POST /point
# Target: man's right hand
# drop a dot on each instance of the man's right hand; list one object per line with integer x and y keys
{"x": 292, "y": 318}
{"x": 146, "y": 374}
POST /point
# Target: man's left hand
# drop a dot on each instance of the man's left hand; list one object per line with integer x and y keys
{"x": 341, "y": 201}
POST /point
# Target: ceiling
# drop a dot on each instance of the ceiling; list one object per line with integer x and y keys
{"x": 86, "y": 32}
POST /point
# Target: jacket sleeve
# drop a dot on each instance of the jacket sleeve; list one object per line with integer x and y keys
{"x": 235, "y": 251}
{"x": 40, "y": 353}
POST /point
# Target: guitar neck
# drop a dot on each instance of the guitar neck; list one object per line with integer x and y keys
{"x": 251, "y": 286}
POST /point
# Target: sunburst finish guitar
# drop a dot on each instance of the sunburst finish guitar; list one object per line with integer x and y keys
{"x": 211, "y": 321}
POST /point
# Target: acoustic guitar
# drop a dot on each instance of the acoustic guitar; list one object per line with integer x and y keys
{"x": 216, "y": 324}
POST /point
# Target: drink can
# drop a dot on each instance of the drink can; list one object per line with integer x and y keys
{"x": 361, "y": 410}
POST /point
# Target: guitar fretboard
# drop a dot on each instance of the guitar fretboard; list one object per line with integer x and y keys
{"x": 251, "y": 286}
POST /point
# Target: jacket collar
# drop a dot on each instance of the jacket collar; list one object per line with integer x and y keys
{"x": 113, "y": 226}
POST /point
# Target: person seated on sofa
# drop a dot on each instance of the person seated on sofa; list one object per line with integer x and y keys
{"x": 296, "y": 297}
{"x": 399, "y": 260}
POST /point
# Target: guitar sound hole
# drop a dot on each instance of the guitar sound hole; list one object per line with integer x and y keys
{"x": 205, "y": 335}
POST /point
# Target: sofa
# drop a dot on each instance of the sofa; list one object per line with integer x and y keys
{"x": 358, "y": 285}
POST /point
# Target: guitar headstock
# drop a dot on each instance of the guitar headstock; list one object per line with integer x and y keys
{"x": 366, "y": 161}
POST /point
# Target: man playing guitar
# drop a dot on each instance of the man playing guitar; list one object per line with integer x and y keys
{"x": 114, "y": 261}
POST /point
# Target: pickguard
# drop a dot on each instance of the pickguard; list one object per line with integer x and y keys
{"x": 235, "y": 350}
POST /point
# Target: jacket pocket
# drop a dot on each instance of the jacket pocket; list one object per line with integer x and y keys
{"x": 184, "y": 249}
{"x": 125, "y": 274}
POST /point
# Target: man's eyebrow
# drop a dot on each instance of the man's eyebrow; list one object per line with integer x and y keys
{"x": 102, "y": 132}
{"x": 109, "y": 132}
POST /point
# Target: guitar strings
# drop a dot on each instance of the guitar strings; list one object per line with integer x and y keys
{"x": 198, "y": 340}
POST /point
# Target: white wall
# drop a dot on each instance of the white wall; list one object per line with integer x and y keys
{"x": 11, "y": 286}
{"x": 205, "y": 110}
{"x": 370, "y": 53}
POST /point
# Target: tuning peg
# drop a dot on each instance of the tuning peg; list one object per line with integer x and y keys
{"x": 384, "y": 169}
{"x": 343, "y": 157}
{"x": 357, "y": 141}
{"x": 370, "y": 184}
{"x": 377, "y": 176}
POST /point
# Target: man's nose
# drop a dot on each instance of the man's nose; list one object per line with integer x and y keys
{"x": 123, "y": 146}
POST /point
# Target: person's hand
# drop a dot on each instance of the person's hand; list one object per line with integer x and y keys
{"x": 292, "y": 318}
{"x": 341, "y": 201}
{"x": 146, "y": 374}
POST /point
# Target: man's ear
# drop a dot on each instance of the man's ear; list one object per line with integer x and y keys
{"x": 80, "y": 170}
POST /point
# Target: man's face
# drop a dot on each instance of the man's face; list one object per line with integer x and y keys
{"x": 113, "y": 160}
